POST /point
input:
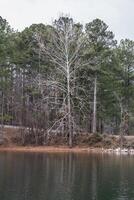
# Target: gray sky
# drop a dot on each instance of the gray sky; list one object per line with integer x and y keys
{"x": 118, "y": 14}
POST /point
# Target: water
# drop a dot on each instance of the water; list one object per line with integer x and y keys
{"x": 64, "y": 176}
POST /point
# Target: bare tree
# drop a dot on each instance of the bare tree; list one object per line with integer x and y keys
{"x": 64, "y": 53}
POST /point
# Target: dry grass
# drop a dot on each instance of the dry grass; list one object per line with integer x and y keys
{"x": 58, "y": 143}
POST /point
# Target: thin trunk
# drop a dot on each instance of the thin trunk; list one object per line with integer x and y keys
{"x": 68, "y": 91}
{"x": 94, "y": 105}
{"x": 69, "y": 107}
{"x": 2, "y": 120}
{"x": 121, "y": 127}
{"x": 128, "y": 100}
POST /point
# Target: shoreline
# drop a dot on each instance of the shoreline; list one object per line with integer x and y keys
{"x": 64, "y": 149}
{"x": 50, "y": 149}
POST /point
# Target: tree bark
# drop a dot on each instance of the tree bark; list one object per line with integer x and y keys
{"x": 2, "y": 120}
{"x": 69, "y": 105}
{"x": 94, "y": 105}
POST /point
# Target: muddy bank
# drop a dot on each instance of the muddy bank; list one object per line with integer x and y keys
{"x": 49, "y": 149}
{"x": 81, "y": 142}
{"x": 40, "y": 149}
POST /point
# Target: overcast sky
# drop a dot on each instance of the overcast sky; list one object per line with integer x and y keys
{"x": 118, "y": 14}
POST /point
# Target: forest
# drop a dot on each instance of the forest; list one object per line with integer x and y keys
{"x": 65, "y": 79}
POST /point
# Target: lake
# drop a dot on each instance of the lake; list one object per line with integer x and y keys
{"x": 66, "y": 176}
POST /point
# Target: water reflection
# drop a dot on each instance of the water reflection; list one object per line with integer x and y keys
{"x": 26, "y": 176}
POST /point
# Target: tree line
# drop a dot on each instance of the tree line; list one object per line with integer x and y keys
{"x": 65, "y": 79}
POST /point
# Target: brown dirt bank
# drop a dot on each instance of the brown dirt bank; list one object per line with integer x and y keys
{"x": 41, "y": 149}
{"x": 81, "y": 143}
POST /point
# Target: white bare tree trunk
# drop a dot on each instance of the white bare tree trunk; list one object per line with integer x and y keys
{"x": 69, "y": 105}
{"x": 94, "y": 105}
